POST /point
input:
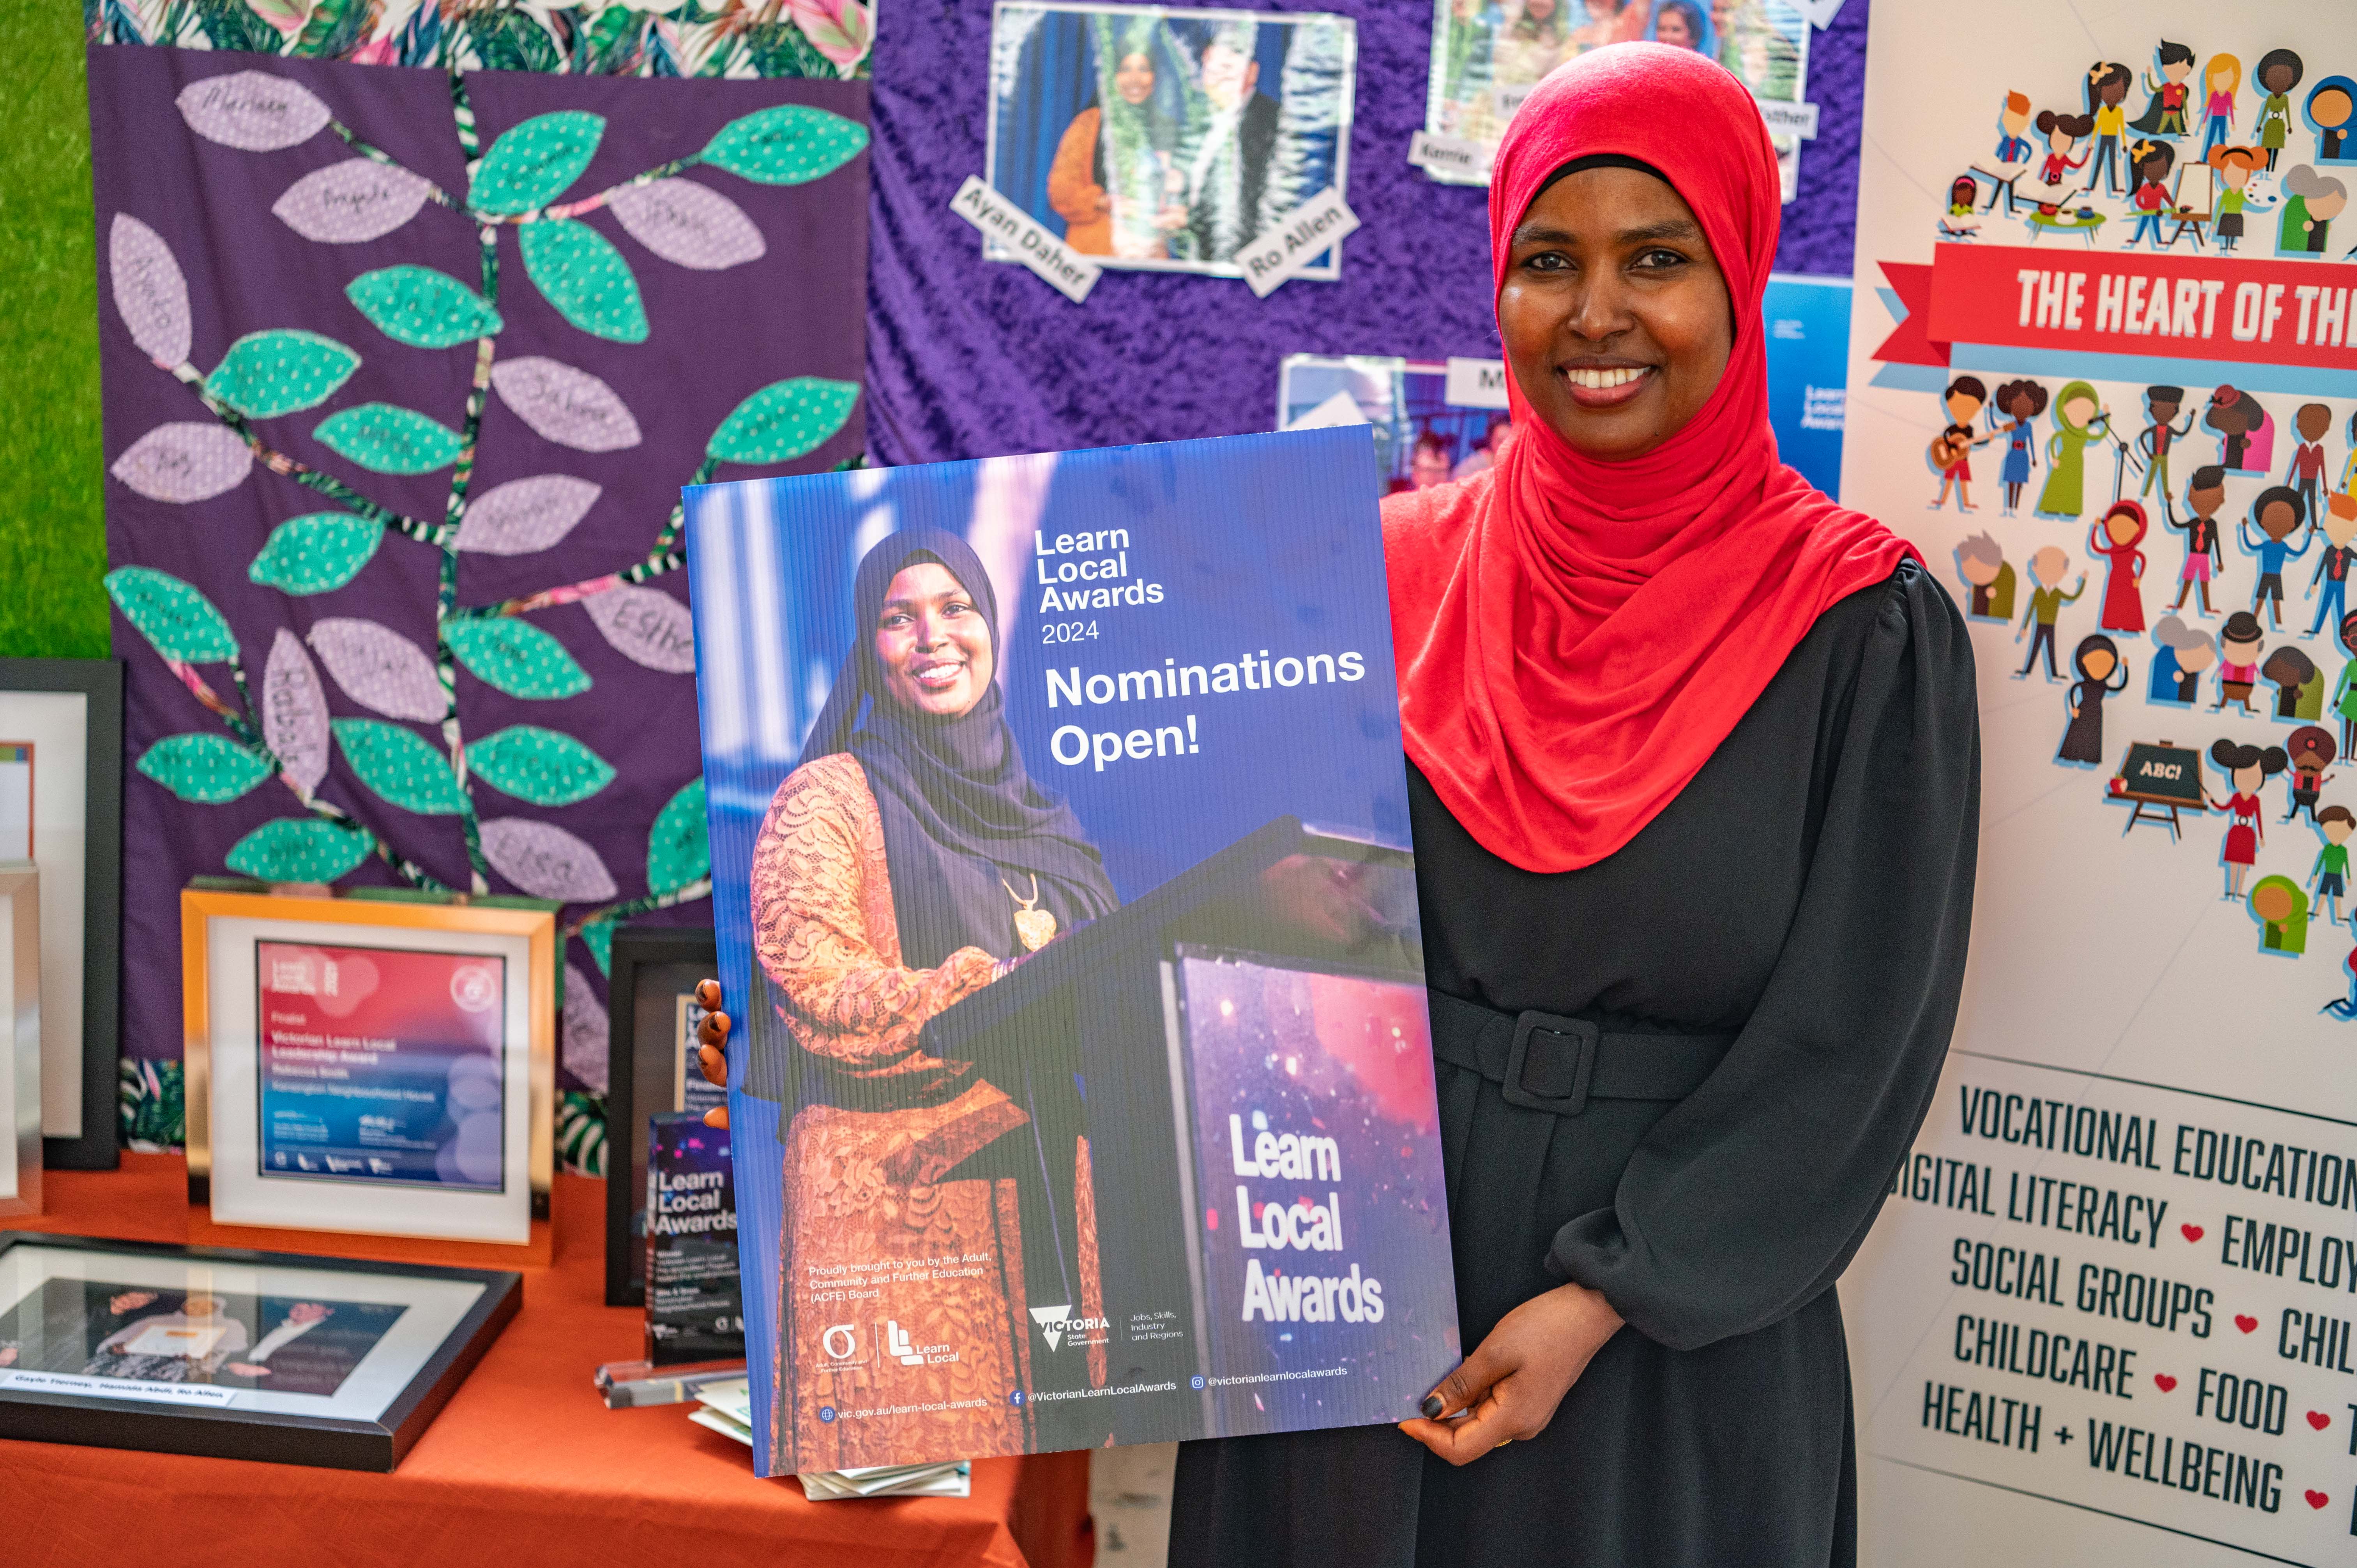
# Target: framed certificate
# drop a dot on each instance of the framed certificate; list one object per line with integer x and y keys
{"x": 240, "y": 1355}
{"x": 20, "y": 1037}
{"x": 372, "y": 1067}
{"x": 650, "y": 992}
{"x": 61, "y": 808}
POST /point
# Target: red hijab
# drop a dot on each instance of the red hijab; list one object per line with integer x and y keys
{"x": 1576, "y": 636}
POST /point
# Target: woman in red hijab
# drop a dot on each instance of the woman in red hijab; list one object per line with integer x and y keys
{"x": 1694, "y": 787}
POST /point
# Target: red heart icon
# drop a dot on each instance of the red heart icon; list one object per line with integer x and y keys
{"x": 2191, "y": 1233}
{"x": 2317, "y": 1499}
{"x": 2245, "y": 1324}
{"x": 2318, "y": 1420}
{"x": 2165, "y": 1381}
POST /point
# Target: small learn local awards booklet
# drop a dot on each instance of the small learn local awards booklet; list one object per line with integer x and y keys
{"x": 1082, "y": 1081}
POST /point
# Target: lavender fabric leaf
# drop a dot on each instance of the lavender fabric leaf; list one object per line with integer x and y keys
{"x": 151, "y": 294}
{"x": 294, "y": 713}
{"x": 380, "y": 668}
{"x": 352, "y": 202}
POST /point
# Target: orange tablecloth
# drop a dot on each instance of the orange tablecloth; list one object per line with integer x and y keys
{"x": 525, "y": 1466}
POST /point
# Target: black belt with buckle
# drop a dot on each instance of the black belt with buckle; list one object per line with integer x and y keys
{"x": 1542, "y": 1061}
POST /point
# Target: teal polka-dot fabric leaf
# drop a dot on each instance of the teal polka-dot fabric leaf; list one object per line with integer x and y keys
{"x": 206, "y": 768}
{"x": 399, "y": 767}
{"x": 181, "y": 622}
{"x": 678, "y": 850}
{"x": 316, "y": 553}
{"x": 266, "y": 374}
{"x": 597, "y": 935}
{"x": 784, "y": 420}
{"x": 789, "y": 145}
{"x": 385, "y": 439}
{"x": 530, "y": 163}
{"x": 298, "y": 848}
{"x": 422, "y": 308}
{"x": 539, "y": 765}
{"x": 578, "y": 270}
{"x": 516, "y": 656}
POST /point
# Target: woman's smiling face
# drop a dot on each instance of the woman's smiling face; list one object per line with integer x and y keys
{"x": 1615, "y": 315}
{"x": 1133, "y": 79}
{"x": 931, "y": 642}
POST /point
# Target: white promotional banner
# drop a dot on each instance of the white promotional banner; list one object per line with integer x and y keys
{"x": 2103, "y": 374}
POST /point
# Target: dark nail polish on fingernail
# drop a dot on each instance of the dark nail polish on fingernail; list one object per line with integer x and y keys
{"x": 1431, "y": 1407}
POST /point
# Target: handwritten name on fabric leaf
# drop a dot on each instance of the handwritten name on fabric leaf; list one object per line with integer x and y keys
{"x": 251, "y": 111}
{"x": 545, "y": 861}
{"x": 352, "y": 202}
{"x": 516, "y": 656}
{"x": 399, "y": 767}
{"x": 688, "y": 224}
{"x": 422, "y": 308}
{"x": 578, "y": 270}
{"x": 298, "y": 849}
{"x": 151, "y": 294}
{"x": 266, "y": 374}
{"x": 789, "y": 145}
{"x": 646, "y": 626}
{"x": 526, "y": 515}
{"x": 539, "y": 765}
{"x": 784, "y": 420}
{"x": 385, "y": 439}
{"x": 210, "y": 769}
{"x": 316, "y": 553}
{"x": 679, "y": 846}
{"x": 570, "y": 407}
{"x": 185, "y": 461}
{"x": 530, "y": 163}
{"x": 180, "y": 622}
{"x": 294, "y": 713}
{"x": 380, "y": 668}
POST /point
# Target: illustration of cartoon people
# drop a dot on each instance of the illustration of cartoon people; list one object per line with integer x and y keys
{"x": 2279, "y": 72}
{"x": 2278, "y": 515}
{"x": 2339, "y": 525}
{"x": 2306, "y": 472}
{"x": 2345, "y": 1009}
{"x": 2154, "y": 441}
{"x": 2310, "y": 751}
{"x": 2329, "y": 875}
{"x": 2236, "y": 416}
{"x": 2046, "y": 601}
{"x": 2148, "y": 166}
{"x": 2348, "y": 465}
{"x": 2344, "y": 694}
{"x": 2165, "y": 113}
{"x": 2247, "y": 768}
{"x": 2280, "y": 906}
{"x": 2235, "y": 167}
{"x": 2239, "y": 641}
{"x": 2020, "y": 401}
{"x": 2115, "y": 537}
{"x": 2102, "y": 672}
{"x": 2080, "y": 419}
{"x": 2331, "y": 105}
{"x": 2063, "y": 132}
{"x": 2013, "y": 144}
{"x": 2185, "y": 652}
{"x": 1981, "y": 561}
{"x": 2204, "y": 553}
{"x": 1963, "y": 195}
{"x": 2107, "y": 90}
{"x": 2311, "y": 201}
{"x": 2299, "y": 684}
{"x": 1952, "y": 450}
{"x": 2221, "y": 80}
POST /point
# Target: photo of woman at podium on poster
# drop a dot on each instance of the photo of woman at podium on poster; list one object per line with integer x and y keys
{"x": 909, "y": 861}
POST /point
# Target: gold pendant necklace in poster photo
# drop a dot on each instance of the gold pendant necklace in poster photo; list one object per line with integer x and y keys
{"x": 1035, "y": 926}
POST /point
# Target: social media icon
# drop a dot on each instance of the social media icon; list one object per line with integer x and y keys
{"x": 1196, "y": 1381}
{"x": 826, "y": 1412}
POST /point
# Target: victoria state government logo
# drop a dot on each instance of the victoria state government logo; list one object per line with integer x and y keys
{"x": 1057, "y": 1323}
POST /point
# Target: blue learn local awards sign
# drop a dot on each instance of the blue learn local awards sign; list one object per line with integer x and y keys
{"x": 1808, "y": 372}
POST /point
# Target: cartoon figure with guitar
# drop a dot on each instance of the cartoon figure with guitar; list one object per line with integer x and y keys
{"x": 1951, "y": 448}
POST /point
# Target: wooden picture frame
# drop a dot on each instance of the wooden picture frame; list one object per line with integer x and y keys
{"x": 83, "y": 894}
{"x": 642, "y": 991}
{"x": 442, "y": 1320}
{"x": 413, "y": 1204}
{"x": 20, "y": 1037}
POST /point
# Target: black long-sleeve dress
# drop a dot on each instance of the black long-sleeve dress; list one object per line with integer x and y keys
{"x": 1811, "y": 889}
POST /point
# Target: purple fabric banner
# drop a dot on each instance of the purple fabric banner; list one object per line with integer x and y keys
{"x": 395, "y": 444}
{"x": 971, "y": 359}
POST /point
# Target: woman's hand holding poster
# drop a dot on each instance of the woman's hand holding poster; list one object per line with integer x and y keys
{"x": 1083, "y": 1083}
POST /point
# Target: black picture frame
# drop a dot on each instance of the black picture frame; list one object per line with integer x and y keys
{"x": 270, "y": 1436}
{"x": 639, "y": 1073}
{"x": 99, "y": 681}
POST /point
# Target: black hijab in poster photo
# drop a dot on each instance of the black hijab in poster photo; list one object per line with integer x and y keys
{"x": 979, "y": 853}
